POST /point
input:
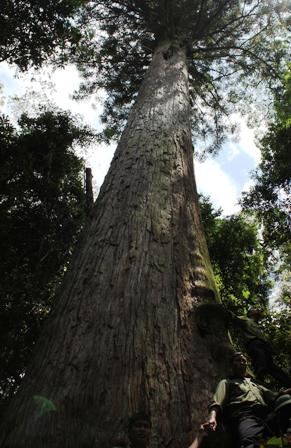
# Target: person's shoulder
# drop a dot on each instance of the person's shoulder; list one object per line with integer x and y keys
{"x": 236, "y": 380}
{"x": 243, "y": 318}
{"x": 223, "y": 381}
{"x": 120, "y": 442}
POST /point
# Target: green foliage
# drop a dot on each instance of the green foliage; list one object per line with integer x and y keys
{"x": 284, "y": 279}
{"x": 31, "y": 30}
{"x": 269, "y": 203}
{"x": 231, "y": 47}
{"x": 242, "y": 271}
{"x": 238, "y": 258}
{"x": 42, "y": 209}
{"x": 283, "y": 100}
{"x": 277, "y": 326}
{"x": 269, "y": 198}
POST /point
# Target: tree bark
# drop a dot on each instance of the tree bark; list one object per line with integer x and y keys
{"x": 124, "y": 335}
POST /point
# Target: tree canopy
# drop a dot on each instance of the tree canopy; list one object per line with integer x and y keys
{"x": 270, "y": 196}
{"x": 238, "y": 258}
{"x": 232, "y": 46}
{"x": 32, "y": 30}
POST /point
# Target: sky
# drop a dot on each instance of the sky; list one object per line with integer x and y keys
{"x": 222, "y": 177}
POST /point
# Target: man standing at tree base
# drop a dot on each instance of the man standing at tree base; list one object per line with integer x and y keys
{"x": 245, "y": 407}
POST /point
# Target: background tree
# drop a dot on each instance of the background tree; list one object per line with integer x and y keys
{"x": 238, "y": 257}
{"x": 245, "y": 276}
{"x": 269, "y": 198}
{"x": 269, "y": 202}
{"x": 41, "y": 213}
{"x": 123, "y": 335}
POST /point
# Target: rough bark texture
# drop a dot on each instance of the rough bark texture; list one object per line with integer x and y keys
{"x": 124, "y": 335}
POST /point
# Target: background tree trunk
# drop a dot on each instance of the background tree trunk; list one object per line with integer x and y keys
{"x": 89, "y": 191}
{"x": 124, "y": 335}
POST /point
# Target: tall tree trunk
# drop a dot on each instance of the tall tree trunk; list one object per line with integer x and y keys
{"x": 124, "y": 335}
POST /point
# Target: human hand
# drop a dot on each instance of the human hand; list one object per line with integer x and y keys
{"x": 210, "y": 425}
{"x": 285, "y": 391}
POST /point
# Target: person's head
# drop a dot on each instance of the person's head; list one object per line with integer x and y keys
{"x": 255, "y": 313}
{"x": 239, "y": 364}
{"x": 139, "y": 430}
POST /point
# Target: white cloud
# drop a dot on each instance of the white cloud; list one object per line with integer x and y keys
{"x": 247, "y": 143}
{"x": 248, "y": 185}
{"x": 231, "y": 151}
{"x": 66, "y": 81}
{"x": 214, "y": 182}
{"x": 99, "y": 158}
{"x": 247, "y": 139}
{"x": 58, "y": 85}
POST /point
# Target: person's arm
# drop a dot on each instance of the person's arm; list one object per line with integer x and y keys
{"x": 219, "y": 397}
{"x": 214, "y": 409}
{"x": 209, "y": 425}
{"x": 198, "y": 439}
{"x": 216, "y": 405}
{"x": 269, "y": 396}
{"x": 285, "y": 391}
